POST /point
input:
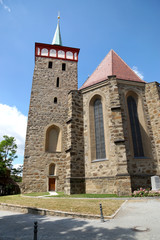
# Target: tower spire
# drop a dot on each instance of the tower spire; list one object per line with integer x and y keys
{"x": 57, "y": 36}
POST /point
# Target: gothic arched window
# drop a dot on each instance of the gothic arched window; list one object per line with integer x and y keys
{"x": 99, "y": 130}
{"x": 135, "y": 127}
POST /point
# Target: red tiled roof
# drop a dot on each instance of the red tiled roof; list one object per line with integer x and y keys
{"x": 112, "y": 64}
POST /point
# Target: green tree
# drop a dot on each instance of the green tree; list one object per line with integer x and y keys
{"x": 8, "y": 149}
{"x": 16, "y": 173}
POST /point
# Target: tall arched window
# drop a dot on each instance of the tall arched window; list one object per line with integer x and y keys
{"x": 135, "y": 127}
{"x": 53, "y": 139}
{"x": 99, "y": 130}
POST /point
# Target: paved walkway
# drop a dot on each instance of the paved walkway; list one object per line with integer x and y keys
{"x": 134, "y": 215}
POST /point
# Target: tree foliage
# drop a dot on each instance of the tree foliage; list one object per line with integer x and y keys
{"x": 16, "y": 173}
{"x": 8, "y": 149}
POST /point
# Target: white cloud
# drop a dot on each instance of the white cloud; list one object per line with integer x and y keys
{"x": 17, "y": 165}
{"x": 13, "y": 123}
{"x": 140, "y": 74}
{"x": 5, "y": 6}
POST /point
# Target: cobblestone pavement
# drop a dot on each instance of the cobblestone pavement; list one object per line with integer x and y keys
{"x": 137, "y": 219}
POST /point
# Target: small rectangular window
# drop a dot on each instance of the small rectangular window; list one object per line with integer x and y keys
{"x": 55, "y": 100}
{"x": 50, "y": 65}
{"x": 63, "y": 67}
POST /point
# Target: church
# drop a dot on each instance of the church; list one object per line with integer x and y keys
{"x": 101, "y": 138}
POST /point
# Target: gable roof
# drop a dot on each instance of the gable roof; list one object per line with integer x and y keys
{"x": 112, "y": 64}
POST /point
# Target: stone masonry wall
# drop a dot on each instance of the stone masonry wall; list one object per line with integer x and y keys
{"x": 152, "y": 93}
{"x": 140, "y": 169}
{"x": 75, "y": 181}
{"x": 108, "y": 175}
{"x": 43, "y": 112}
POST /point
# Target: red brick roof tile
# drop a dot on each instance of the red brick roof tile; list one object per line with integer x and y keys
{"x": 112, "y": 64}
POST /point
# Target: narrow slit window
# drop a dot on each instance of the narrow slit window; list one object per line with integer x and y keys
{"x": 63, "y": 67}
{"x": 50, "y": 65}
{"x": 57, "y": 83}
{"x": 55, "y": 100}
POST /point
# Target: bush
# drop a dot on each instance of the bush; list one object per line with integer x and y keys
{"x": 142, "y": 192}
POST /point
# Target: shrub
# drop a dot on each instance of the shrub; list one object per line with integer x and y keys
{"x": 142, "y": 192}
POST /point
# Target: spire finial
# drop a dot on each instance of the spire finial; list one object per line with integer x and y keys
{"x": 57, "y": 36}
{"x": 58, "y": 16}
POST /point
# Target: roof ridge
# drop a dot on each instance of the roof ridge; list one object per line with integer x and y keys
{"x": 128, "y": 66}
{"x": 112, "y": 64}
{"x": 96, "y": 69}
{"x": 112, "y": 59}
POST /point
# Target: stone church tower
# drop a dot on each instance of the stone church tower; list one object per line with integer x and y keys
{"x": 55, "y": 75}
{"x": 102, "y": 138}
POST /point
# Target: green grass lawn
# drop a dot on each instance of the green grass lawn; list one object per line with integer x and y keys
{"x": 37, "y": 194}
{"x": 61, "y": 194}
{"x": 84, "y": 206}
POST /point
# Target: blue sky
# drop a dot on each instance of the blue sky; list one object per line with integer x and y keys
{"x": 129, "y": 27}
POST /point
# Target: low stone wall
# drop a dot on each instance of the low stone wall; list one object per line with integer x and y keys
{"x": 40, "y": 211}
